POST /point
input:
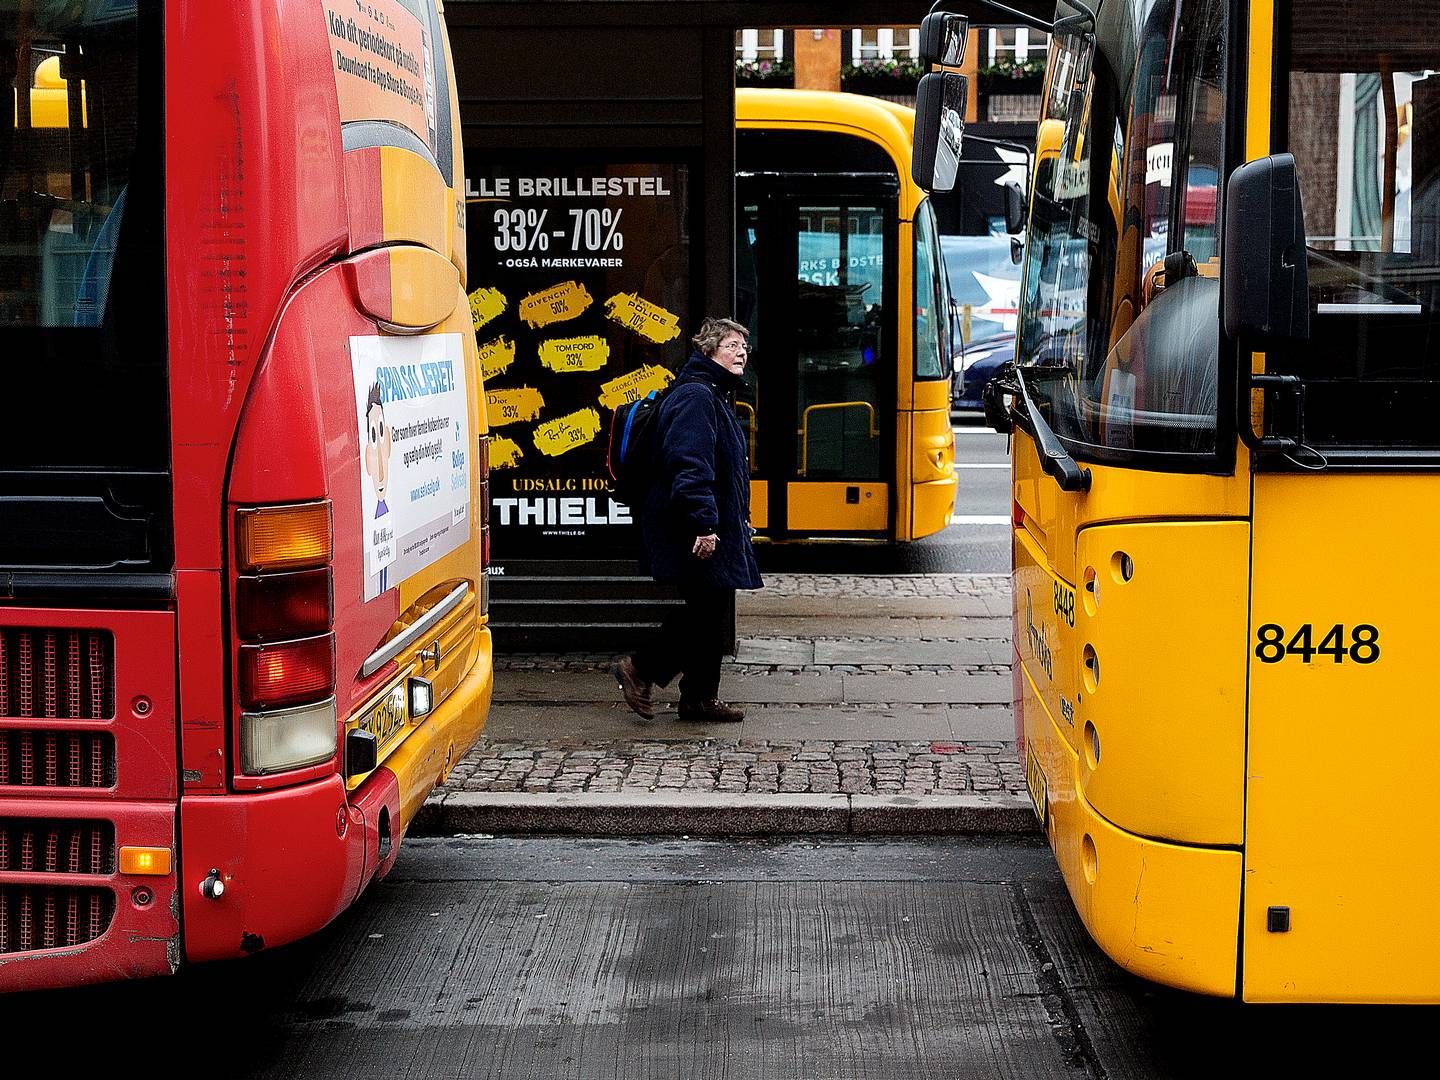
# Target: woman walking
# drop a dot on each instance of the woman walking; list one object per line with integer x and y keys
{"x": 695, "y": 523}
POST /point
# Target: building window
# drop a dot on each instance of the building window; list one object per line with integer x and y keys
{"x": 1018, "y": 43}
{"x": 752, "y": 45}
{"x": 884, "y": 43}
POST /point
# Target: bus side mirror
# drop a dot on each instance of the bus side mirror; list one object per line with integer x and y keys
{"x": 1265, "y": 281}
{"x": 939, "y": 128}
{"x": 1014, "y": 208}
{"x": 943, "y": 39}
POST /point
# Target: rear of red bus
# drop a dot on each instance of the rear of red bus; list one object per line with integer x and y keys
{"x": 242, "y": 472}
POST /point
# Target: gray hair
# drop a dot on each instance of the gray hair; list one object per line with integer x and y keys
{"x": 714, "y": 331}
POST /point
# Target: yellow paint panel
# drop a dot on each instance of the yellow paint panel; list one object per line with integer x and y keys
{"x": 1043, "y": 642}
{"x": 565, "y": 433}
{"x": 423, "y": 284}
{"x": 495, "y": 357}
{"x": 931, "y": 473}
{"x": 486, "y": 305}
{"x": 588, "y": 353}
{"x": 513, "y": 405}
{"x": 1342, "y": 753}
{"x": 1259, "y": 76}
{"x": 650, "y": 321}
{"x": 558, "y": 303}
{"x": 429, "y": 753}
{"x": 634, "y": 385}
{"x": 504, "y": 453}
{"x": 760, "y": 504}
{"x": 415, "y": 202}
{"x": 1164, "y": 912}
{"x": 822, "y": 507}
{"x": 1117, "y": 495}
{"x": 1167, "y": 709}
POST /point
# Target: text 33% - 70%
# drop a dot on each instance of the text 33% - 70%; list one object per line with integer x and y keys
{"x": 590, "y": 230}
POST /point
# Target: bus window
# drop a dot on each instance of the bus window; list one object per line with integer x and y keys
{"x": 1364, "y": 124}
{"x": 838, "y": 322}
{"x": 932, "y": 301}
{"x": 81, "y": 257}
{"x": 1141, "y": 371}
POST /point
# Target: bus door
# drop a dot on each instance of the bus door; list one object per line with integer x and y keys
{"x": 1341, "y": 874}
{"x": 816, "y": 256}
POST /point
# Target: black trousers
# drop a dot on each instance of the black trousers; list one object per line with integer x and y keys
{"x": 690, "y": 643}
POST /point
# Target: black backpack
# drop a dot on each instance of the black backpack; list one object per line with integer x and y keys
{"x": 633, "y": 456}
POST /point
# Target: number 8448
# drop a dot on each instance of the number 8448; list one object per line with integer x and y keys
{"x": 1362, "y": 647}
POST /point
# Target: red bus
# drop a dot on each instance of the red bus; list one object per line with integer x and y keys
{"x": 243, "y": 472}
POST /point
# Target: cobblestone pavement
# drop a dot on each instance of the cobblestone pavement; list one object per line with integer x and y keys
{"x": 887, "y": 585}
{"x": 580, "y": 662}
{"x": 743, "y": 766}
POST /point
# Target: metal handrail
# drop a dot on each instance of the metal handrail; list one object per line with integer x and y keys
{"x": 805, "y": 426}
{"x": 414, "y": 632}
{"x": 751, "y": 410}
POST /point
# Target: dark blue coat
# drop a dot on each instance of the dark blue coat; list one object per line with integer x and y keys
{"x": 702, "y": 484}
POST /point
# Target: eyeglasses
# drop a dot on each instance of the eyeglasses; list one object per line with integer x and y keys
{"x": 735, "y": 346}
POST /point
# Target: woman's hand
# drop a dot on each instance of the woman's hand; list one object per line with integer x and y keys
{"x": 705, "y": 546}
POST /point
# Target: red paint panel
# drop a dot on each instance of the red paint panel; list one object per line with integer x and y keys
{"x": 203, "y": 697}
{"x": 255, "y": 200}
{"x": 363, "y": 188}
{"x": 306, "y": 389}
{"x": 143, "y": 935}
{"x": 380, "y": 792}
{"x": 369, "y": 277}
{"x": 287, "y": 869}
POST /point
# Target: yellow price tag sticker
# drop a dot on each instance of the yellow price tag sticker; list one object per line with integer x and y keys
{"x": 589, "y": 353}
{"x": 513, "y": 406}
{"x": 565, "y": 433}
{"x": 496, "y": 357}
{"x": 633, "y": 385}
{"x": 650, "y": 321}
{"x": 486, "y": 305}
{"x": 558, "y": 303}
{"x": 504, "y": 453}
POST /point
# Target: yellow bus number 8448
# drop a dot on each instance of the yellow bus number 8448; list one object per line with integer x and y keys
{"x": 1363, "y": 646}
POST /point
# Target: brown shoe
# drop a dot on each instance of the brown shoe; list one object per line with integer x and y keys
{"x": 713, "y": 711}
{"x": 635, "y": 689}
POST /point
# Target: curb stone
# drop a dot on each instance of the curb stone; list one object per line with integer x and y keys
{"x": 655, "y": 813}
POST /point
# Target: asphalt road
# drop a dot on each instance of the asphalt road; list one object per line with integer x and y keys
{"x": 574, "y": 958}
{"x": 977, "y": 540}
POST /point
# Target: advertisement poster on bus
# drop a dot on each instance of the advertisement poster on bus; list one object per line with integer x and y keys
{"x": 580, "y": 302}
{"x": 410, "y": 404}
{"x": 383, "y": 57}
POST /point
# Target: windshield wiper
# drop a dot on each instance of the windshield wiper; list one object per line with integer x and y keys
{"x": 1054, "y": 458}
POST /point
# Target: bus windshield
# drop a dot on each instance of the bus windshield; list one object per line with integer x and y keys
{"x": 1363, "y": 115}
{"x": 1120, "y": 293}
{"x": 81, "y": 270}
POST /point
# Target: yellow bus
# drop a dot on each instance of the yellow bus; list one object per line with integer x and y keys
{"x": 840, "y": 280}
{"x": 1224, "y": 462}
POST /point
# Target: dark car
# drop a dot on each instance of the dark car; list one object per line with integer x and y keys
{"x": 982, "y": 360}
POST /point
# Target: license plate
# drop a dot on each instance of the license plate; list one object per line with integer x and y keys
{"x": 1035, "y": 784}
{"x": 386, "y": 718}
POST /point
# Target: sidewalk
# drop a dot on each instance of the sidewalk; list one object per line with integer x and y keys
{"x": 873, "y": 705}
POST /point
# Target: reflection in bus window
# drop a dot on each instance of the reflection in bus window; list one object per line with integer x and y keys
{"x": 932, "y": 301}
{"x": 1364, "y": 126}
{"x": 1121, "y": 289}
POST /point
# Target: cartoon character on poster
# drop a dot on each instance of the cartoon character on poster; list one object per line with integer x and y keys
{"x": 413, "y": 421}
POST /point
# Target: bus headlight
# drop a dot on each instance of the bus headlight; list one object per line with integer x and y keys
{"x": 279, "y": 739}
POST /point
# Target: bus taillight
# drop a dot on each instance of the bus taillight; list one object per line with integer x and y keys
{"x": 285, "y": 621}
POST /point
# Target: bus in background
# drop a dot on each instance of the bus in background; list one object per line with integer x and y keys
{"x": 1224, "y": 484}
{"x": 841, "y": 282}
{"x": 242, "y": 479}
